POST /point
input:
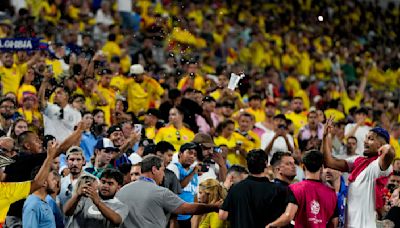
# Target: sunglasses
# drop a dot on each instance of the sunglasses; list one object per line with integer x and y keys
{"x": 178, "y": 135}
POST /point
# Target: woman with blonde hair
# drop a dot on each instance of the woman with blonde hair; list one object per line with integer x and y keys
{"x": 211, "y": 192}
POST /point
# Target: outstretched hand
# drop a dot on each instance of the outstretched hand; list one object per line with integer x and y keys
{"x": 385, "y": 149}
{"x": 52, "y": 149}
{"x": 328, "y": 126}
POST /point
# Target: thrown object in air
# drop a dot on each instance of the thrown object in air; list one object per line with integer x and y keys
{"x": 234, "y": 80}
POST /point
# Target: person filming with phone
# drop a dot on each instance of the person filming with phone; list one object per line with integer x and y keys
{"x": 187, "y": 174}
{"x": 279, "y": 139}
{"x": 213, "y": 164}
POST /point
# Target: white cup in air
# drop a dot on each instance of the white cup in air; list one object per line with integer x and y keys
{"x": 234, "y": 80}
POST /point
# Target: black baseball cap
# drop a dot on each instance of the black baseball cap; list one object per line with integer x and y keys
{"x": 113, "y": 129}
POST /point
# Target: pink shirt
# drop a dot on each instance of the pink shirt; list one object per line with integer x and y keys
{"x": 316, "y": 203}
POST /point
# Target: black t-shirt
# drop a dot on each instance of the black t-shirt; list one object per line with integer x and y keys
{"x": 21, "y": 170}
{"x": 394, "y": 216}
{"x": 255, "y": 202}
{"x": 289, "y": 195}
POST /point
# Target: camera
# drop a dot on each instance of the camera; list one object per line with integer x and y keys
{"x": 217, "y": 150}
{"x": 204, "y": 167}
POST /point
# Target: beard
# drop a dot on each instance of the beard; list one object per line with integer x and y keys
{"x": 50, "y": 191}
{"x": 7, "y": 116}
{"x": 106, "y": 197}
{"x": 298, "y": 111}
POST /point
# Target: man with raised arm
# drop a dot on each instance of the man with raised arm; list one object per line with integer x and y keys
{"x": 375, "y": 162}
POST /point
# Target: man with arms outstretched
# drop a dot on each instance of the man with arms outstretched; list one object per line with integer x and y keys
{"x": 375, "y": 162}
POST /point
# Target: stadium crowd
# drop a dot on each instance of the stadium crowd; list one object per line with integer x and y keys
{"x": 121, "y": 115}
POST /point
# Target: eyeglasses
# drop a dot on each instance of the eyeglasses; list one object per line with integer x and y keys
{"x": 69, "y": 190}
{"x": 178, "y": 135}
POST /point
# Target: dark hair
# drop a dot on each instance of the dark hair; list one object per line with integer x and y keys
{"x": 237, "y": 169}
{"x": 180, "y": 109}
{"x": 113, "y": 174}
{"x": 112, "y": 37}
{"x": 246, "y": 114}
{"x": 164, "y": 146}
{"x": 352, "y": 137}
{"x": 339, "y": 123}
{"x": 223, "y": 125}
{"x": 311, "y": 112}
{"x": 124, "y": 104}
{"x": 396, "y": 173}
{"x": 174, "y": 93}
{"x": 76, "y": 96}
{"x": 15, "y": 124}
{"x": 149, "y": 161}
{"x": 255, "y": 97}
{"x": 313, "y": 160}
{"x": 86, "y": 113}
{"x": 124, "y": 168}
{"x": 256, "y": 161}
{"x": 277, "y": 157}
{"x": 280, "y": 116}
{"x": 297, "y": 98}
{"x": 95, "y": 111}
{"x": 23, "y": 137}
{"x": 7, "y": 99}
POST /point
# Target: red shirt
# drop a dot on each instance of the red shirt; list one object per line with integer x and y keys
{"x": 317, "y": 203}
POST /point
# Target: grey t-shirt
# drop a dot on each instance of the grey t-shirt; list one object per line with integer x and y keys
{"x": 86, "y": 214}
{"x": 148, "y": 204}
{"x": 171, "y": 182}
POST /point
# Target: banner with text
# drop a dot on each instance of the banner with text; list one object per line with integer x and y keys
{"x": 21, "y": 44}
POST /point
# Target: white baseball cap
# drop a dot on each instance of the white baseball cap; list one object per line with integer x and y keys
{"x": 136, "y": 69}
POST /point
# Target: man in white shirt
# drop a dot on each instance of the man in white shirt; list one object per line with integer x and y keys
{"x": 125, "y": 10}
{"x": 279, "y": 139}
{"x": 358, "y": 129}
{"x": 59, "y": 118}
{"x": 375, "y": 162}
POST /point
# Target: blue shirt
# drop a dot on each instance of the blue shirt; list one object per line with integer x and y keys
{"x": 88, "y": 141}
{"x": 37, "y": 213}
{"x": 58, "y": 216}
{"x": 341, "y": 201}
{"x": 189, "y": 192}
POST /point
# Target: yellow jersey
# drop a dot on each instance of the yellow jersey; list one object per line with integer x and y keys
{"x": 142, "y": 96}
{"x": 150, "y": 132}
{"x": 109, "y": 95}
{"x": 349, "y": 103}
{"x": 299, "y": 120}
{"x": 10, "y": 193}
{"x": 338, "y": 115}
{"x": 10, "y": 78}
{"x": 174, "y": 136}
{"x": 395, "y": 143}
{"x": 199, "y": 83}
{"x": 259, "y": 114}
